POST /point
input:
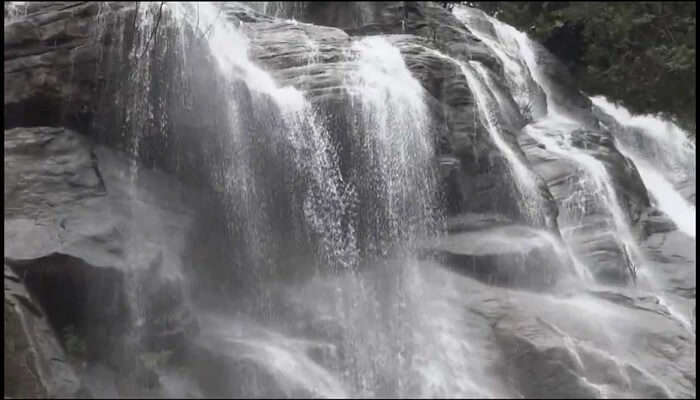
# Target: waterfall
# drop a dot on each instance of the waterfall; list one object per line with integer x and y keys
{"x": 394, "y": 184}
{"x": 522, "y": 176}
{"x": 555, "y": 129}
{"x": 280, "y": 9}
{"x": 139, "y": 122}
{"x": 663, "y": 155}
{"x": 15, "y": 10}
{"x": 398, "y": 330}
{"x": 666, "y": 142}
{"x": 396, "y": 141}
{"x": 316, "y": 257}
{"x": 325, "y": 199}
{"x": 525, "y": 179}
{"x": 555, "y": 133}
{"x": 526, "y": 93}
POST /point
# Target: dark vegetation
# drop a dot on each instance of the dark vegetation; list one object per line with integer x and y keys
{"x": 641, "y": 54}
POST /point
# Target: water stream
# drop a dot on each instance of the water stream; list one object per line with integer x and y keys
{"x": 664, "y": 157}
{"x": 523, "y": 177}
{"x": 374, "y": 321}
{"x": 556, "y": 129}
{"x": 395, "y": 185}
{"x": 328, "y": 223}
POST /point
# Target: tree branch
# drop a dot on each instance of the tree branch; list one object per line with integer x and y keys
{"x": 206, "y": 33}
{"x": 153, "y": 32}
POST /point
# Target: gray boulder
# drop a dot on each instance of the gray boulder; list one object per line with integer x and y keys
{"x": 35, "y": 365}
{"x": 80, "y": 233}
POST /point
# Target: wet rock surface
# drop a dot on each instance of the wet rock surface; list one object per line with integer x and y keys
{"x": 506, "y": 255}
{"x": 310, "y": 57}
{"x": 587, "y": 223}
{"x": 70, "y": 239}
{"x": 318, "y": 59}
{"x": 542, "y": 351}
{"x": 35, "y": 365}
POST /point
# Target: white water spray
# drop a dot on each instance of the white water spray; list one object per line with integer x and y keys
{"x": 506, "y": 47}
{"x": 523, "y": 177}
{"x": 397, "y": 139}
{"x": 658, "y": 180}
{"x": 554, "y": 131}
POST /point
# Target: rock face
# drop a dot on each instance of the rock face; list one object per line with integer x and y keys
{"x": 588, "y": 223}
{"x": 70, "y": 63}
{"x": 320, "y": 57}
{"x": 502, "y": 254}
{"x": 310, "y": 57}
{"x": 464, "y": 139}
{"x": 576, "y": 158}
{"x": 70, "y": 234}
{"x": 48, "y": 61}
{"x": 534, "y": 343}
{"x": 34, "y": 362}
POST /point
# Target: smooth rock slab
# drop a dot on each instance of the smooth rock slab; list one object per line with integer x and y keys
{"x": 510, "y": 255}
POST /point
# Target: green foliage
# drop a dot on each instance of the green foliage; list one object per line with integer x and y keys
{"x": 639, "y": 53}
{"x": 75, "y": 346}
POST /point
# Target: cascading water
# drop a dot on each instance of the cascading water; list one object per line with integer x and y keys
{"x": 396, "y": 185}
{"x": 399, "y": 331}
{"x": 396, "y": 140}
{"x": 136, "y": 99}
{"x": 555, "y": 129}
{"x": 414, "y": 352}
{"x": 555, "y": 134}
{"x": 326, "y": 199}
{"x": 523, "y": 178}
{"x": 330, "y": 196}
{"x": 280, "y": 9}
{"x": 15, "y": 10}
{"x": 665, "y": 141}
{"x": 526, "y": 93}
{"x": 663, "y": 155}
